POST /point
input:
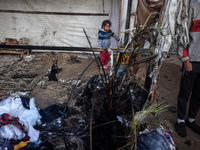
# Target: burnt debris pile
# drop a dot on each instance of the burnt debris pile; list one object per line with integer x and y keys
{"x": 111, "y": 99}
{"x": 111, "y": 108}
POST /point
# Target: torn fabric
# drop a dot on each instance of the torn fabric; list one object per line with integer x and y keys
{"x": 27, "y": 117}
{"x": 145, "y": 8}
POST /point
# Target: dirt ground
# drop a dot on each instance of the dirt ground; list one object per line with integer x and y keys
{"x": 47, "y": 93}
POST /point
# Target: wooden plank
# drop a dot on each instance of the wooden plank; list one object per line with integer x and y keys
{"x": 8, "y": 51}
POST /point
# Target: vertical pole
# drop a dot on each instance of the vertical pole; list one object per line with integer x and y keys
{"x": 127, "y": 26}
{"x": 120, "y": 13}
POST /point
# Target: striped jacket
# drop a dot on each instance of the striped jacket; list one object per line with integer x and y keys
{"x": 104, "y": 38}
{"x": 192, "y": 51}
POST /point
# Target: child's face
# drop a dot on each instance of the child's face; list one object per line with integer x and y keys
{"x": 106, "y": 27}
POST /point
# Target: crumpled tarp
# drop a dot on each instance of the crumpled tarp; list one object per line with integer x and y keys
{"x": 27, "y": 117}
{"x": 155, "y": 140}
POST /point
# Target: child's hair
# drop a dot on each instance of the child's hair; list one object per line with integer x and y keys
{"x": 105, "y": 22}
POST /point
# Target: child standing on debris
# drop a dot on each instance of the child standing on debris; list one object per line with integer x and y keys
{"x": 104, "y": 41}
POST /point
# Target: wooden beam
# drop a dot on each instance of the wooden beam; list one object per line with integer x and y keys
{"x": 54, "y": 13}
{"x": 60, "y": 48}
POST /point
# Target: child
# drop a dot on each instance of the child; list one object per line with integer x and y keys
{"x": 104, "y": 42}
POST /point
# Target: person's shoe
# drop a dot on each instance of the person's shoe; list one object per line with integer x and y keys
{"x": 105, "y": 67}
{"x": 193, "y": 126}
{"x": 108, "y": 65}
{"x": 180, "y": 129}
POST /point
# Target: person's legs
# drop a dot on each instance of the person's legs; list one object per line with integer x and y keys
{"x": 194, "y": 106}
{"x": 103, "y": 60}
{"x": 195, "y": 99}
{"x": 103, "y": 57}
{"x": 106, "y": 57}
{"x": 186, "y": 86}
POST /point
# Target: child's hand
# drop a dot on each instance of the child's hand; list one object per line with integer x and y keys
{"x": 187, "y": 66}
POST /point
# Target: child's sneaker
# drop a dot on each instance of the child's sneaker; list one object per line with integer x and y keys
{"x": 108, "y": 65}
{"x": 105, "y": 67}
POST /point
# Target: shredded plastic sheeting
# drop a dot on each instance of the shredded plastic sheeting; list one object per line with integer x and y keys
{"x": 175, "y": 19}
{"x": 182, "y": 30}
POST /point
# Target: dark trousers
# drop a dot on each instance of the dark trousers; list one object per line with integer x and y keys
{"x": 190, "y": 82}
